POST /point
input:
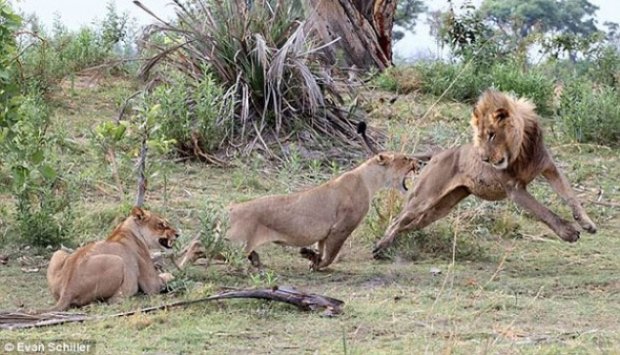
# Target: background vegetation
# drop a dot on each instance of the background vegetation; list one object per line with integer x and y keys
{"x": 261, "y": 113}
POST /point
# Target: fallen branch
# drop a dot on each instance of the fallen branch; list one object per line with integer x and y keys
{"x": 606, "y": 204}
{"x": 303, "y": 301}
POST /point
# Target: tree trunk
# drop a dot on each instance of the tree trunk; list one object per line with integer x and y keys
{"x": 363, "y": 26}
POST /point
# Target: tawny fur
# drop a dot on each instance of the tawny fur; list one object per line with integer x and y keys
{"x": 507, "y": 154}
{"x": 113, "y": 268}
{"x": 326, "y": 214}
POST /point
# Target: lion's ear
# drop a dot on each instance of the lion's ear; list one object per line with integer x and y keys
{"x": 501, "y": 114}
{"x": 138, "y": 213}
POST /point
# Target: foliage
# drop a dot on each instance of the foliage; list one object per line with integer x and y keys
{"x": 516, "y": 21}
{"x": 9, "y": 23}
{"x": 590, "y": 114}
{"x": 269, "y": 65}
{"x": 50, "y": 56}
{"x": 460, "y": 82}
{"x": 469, "y": 37}
{"x": 41, "y": 193}
{"x": 406, "y": 16}
{"x": 190, "y": 111}
{"x": 399, "y": 79}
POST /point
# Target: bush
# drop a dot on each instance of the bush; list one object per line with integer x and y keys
{"x": 399, "y": 79}
{"x": 41, "y": 194}
{"x": 48, "y": 57}
{"x": 463, "y": 83}
{"x": 531, "y": 84}
{"x": 268, "y": 64}
{"x": 590, "y": 113}
{"x": 192, "y": 112}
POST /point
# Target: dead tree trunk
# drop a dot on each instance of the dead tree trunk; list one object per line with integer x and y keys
{"x": 363, "y": 26}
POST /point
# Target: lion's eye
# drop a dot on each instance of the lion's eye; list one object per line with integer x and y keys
{"x": 491, "y": 136}
{"x": 162, "y": 225}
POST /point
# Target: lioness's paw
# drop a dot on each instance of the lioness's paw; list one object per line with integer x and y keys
{"x": 569, "y": 233}
{"x": 166, "y": 277}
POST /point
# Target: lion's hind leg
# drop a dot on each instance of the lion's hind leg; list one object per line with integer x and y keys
{"x": 419, "y": 214}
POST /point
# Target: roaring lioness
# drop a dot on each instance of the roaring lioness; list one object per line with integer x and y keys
{"x": 113, "y": 268}
{"x": 507, "y": 154}
{"x": 326, "y": 214}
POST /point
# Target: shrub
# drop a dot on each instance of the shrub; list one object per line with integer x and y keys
{"x": 48, "y": 57}
{"x": 399, "y": 79}
{"x": 531, "y": 84}
{"x": 191, "y": 112}
{"x": 270, "y": 67}
{"x": 41, "y": 194}
{"x": 590, "y": 114}
{"x": 462, "y": 83}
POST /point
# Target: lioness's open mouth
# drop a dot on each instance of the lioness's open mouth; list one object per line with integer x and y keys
{"x": 166, "y": 243}
{"x": 404, "y": 182}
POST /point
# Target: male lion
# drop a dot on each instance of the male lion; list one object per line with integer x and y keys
{"x": 507, "y": 154}
{"x": 326, "y": 214}
{"x": 113, "y": 268}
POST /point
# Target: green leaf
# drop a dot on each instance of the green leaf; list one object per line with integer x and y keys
{"x": 48, "y": 172}
{"x": 20, "y": 174}
{"x": 37, "y": 157}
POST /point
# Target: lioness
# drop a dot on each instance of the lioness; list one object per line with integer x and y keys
{"x": 507, "y": 154}
{"x": 326, "y": 214}
{"x": 113, "y": 268}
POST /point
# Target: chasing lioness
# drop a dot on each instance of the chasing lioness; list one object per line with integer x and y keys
{"x": 326, "y": 214}
{"x": 507, "y": 154}
{"x": 113, "y": 268}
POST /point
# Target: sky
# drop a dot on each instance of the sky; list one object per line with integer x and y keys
{"x": 76, "y": 13}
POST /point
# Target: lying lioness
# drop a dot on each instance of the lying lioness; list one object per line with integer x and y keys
{"x": 508, "y": 153}
{"x": 113, "y": 268}
{"x": 326, "y": 214}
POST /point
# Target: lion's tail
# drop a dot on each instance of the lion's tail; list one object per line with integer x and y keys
{"x": 361, "y": 129}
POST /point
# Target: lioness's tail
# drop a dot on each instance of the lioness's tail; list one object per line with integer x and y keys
{"x": 61, "y": 305}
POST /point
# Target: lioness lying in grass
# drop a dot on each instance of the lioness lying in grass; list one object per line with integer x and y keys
{"x": 113, "y": 268}
{"x": 326, "y": 214}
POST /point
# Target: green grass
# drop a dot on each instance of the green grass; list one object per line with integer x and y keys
{"x": 523, "y": 291}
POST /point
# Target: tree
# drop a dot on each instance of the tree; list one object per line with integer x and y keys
{"x": 363, "y": 29}
{"x": 517, "y": 20}
{"x": 407, "y": 12}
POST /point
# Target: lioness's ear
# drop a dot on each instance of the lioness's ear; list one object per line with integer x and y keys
{"x": 138, "y": 213}
{"x": 501, "y": 114}
{"x": 382, "y": 158}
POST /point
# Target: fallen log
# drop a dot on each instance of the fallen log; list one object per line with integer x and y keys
{"x": 304, "y": 301}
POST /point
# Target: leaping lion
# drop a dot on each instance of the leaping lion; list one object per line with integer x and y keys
{"x": 114, "y": 268}
{"x": 326, "y": 214}
{"x": 507, "y": 154}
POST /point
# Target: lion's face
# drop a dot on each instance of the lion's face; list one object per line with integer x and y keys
{"x": 493, "y": 130}
{"x": 155, "y": 230}
{"x": 398, "y": 168}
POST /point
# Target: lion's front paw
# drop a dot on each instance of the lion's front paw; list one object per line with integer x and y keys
{"x": 586, "y": 223}
{"x": 166, "y": 277}
{"x": 569, "y": 233}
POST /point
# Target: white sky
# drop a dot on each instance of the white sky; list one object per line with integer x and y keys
{"x": 75, "y": 13}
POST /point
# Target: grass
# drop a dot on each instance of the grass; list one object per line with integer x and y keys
{"x": 523, "y": 291}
